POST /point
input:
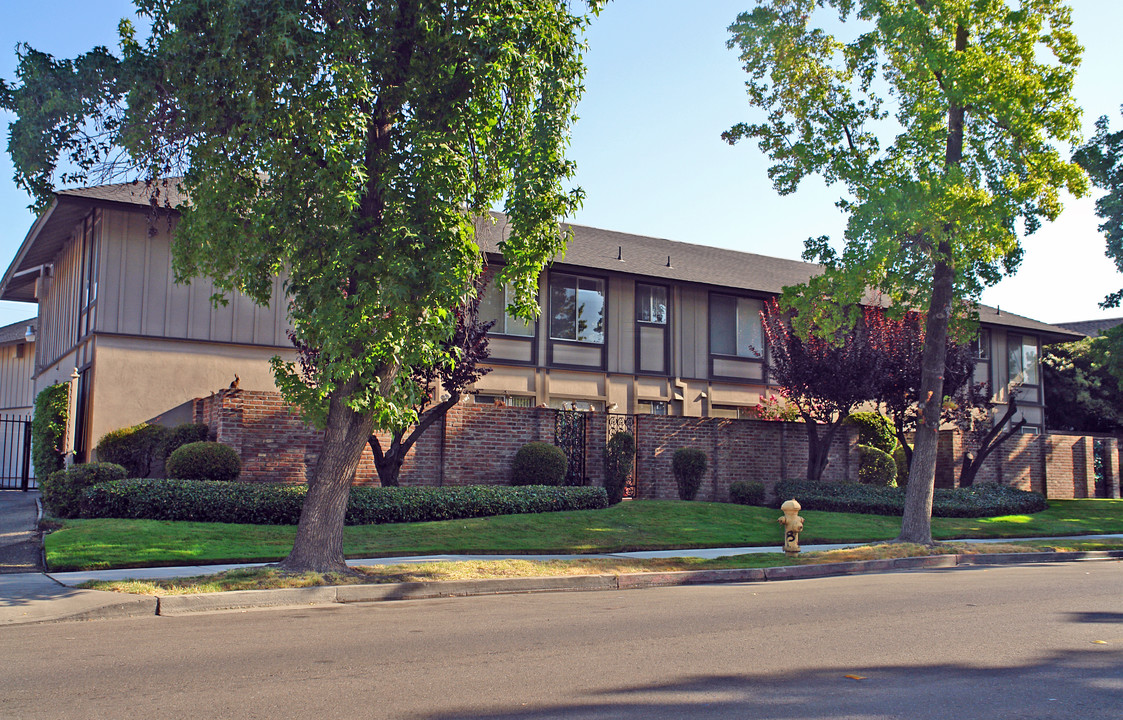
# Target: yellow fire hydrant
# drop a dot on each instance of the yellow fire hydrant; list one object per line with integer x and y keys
{"x": 792, "y": 523}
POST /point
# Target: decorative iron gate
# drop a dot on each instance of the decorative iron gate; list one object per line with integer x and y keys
{"x": 618, "y": 423}
{"x": 15, "y": 453}
{"x": 569, "y": 435}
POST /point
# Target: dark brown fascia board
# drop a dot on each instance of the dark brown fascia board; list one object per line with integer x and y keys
{"x": 44, "y": 239}
{"x": 21, "y": 254}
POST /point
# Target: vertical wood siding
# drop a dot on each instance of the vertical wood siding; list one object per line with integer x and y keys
{"x": 58, "y": 310}
{"x": 16, "y": 389}
{"x": 138, "y": 294}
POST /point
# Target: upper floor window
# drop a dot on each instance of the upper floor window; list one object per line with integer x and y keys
{"x": 651, "y": 304}
{"x": 980, "y": 345}
{"x": 576, "y": 308}
{"x": 1022, "y": 353}
{"x": 493, "y": 306}
{"x": 88, "y": 269}
{"x": 735, "y": 326}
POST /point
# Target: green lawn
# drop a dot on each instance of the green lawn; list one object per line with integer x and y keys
{"x": 641, "y": 525}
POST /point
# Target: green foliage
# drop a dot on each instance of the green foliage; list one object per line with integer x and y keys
{"x": 1102, "y": 158}
{"x": 937, "y": 192}
{"x": 619, "y": 455}
{"x": 900, "y": 459}
{"x": 62, "y": 490}
{"x": 48, "y": 429}
{"x": 911, "y": 188}
{"x": 204, "y": 461}
{"x": 983, "y": 500}
{"x": 357, "y": 147}
{"x": 874, "y": 430}
{"x": 745, "y": 492}
{"x": 134, "y": 448}
{"x": 276, "y": 504}
{"x": 1081, "y": 394}
{"x": 538, "y": 463}
{"x": 182, "y": 434}
{"x": 689, "y": 465}
{"x": 876, "y": 467}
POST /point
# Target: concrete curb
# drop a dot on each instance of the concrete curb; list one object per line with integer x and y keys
{"x": 172, "y": 605}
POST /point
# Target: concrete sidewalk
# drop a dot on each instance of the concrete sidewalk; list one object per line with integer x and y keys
{"x": 28, "y": 597}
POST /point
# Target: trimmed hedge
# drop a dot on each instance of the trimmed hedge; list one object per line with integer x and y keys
{"x": 873, "y": 430}
{"x": 277, "y": 504}
{"x": 876, "y": 467}
{"x": 983, "y": 500}
{"x": 133, "y": 448}
{"x": 688, "y": 465}
{"x": 747, "y": 492}
{"x": 48, "y": 428}
{"x": 619, "y": 454}
{"x": 902, "y": 463}
{"x": 182, "y": 434}
{"x": 63, "y": 490}
{"x": 538, "y": 463}
{"x": 204, "y": 461}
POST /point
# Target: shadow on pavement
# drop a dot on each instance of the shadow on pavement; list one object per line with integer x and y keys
{"x": 1079, "y": 683}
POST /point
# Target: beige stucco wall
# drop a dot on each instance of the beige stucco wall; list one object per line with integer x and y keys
{"x": 137, "y": 379}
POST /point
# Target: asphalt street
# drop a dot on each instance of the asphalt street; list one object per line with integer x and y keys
{"x": 1029, "y": 641}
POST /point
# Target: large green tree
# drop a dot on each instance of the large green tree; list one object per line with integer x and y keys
{"x": 354, "y": 147}
{"x": 939, "y": 120}
{"x": 1102, "y": 157}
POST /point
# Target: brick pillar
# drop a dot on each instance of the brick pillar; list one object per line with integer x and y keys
{"x": 1111, "y": 467}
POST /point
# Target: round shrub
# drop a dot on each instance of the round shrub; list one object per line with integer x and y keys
{"x": 538, "y": 463}
{"x": 688, "y": 464}
{"x": 747, "y": 493}
{"x": 902, "y": 463}
{"x": 619, "y": 453}
{"x": 204, "y": 461}
{"x": 180, "y": 435}
{"x": 873, "y": 430}
{"x": 876, "y": 467}
{"x": 62, "y": 490}
{"x": 134, "y": 448}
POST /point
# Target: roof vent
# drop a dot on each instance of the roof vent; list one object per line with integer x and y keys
{"x": 668, "y": 261}
{"x": 620, "y": 252}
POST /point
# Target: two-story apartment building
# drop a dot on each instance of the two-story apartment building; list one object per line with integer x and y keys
{"x": 645, "y": 325}
{"x": 628, "y": 323}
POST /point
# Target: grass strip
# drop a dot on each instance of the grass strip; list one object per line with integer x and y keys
{"x": 265, "y": 578}
{"x": 639, "y": 525}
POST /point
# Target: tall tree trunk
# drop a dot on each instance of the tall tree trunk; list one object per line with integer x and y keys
{"x": 319, "y": 536}
{"x": 916, "y": 525}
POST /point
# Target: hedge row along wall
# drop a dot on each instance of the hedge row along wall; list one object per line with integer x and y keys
{"x": 477, "y": 443}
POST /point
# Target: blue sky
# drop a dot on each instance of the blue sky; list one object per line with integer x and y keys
{"x": 661, "y": 87}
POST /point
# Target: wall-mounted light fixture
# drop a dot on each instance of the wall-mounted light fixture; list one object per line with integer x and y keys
{"x": 29, "y": 335}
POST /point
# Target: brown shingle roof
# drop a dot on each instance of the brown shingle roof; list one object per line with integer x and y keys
{"x": 647, "y": 257}
{"x": 1091, "y": 328}
{"x": 16, "y": 331}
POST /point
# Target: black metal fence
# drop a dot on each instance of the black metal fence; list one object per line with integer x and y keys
{"x": 15, "y": 453}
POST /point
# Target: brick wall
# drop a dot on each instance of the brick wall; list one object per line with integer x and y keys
{"x": 736, "y": 449}
{"x": 477, "y": 443}
{"x": 1059, "y": 465}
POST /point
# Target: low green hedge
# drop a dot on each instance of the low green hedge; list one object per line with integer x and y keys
{"x": 984, "y": 500}
{"x": 276, "y": 504}
{"x": 747, "y": 492}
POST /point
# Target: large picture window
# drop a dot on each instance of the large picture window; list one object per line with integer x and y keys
{"x": 1022, "y": 358}
{"x": 576, "y": 308}
{"x": 493, "y": 306}
{"x": 735, "y": 326}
